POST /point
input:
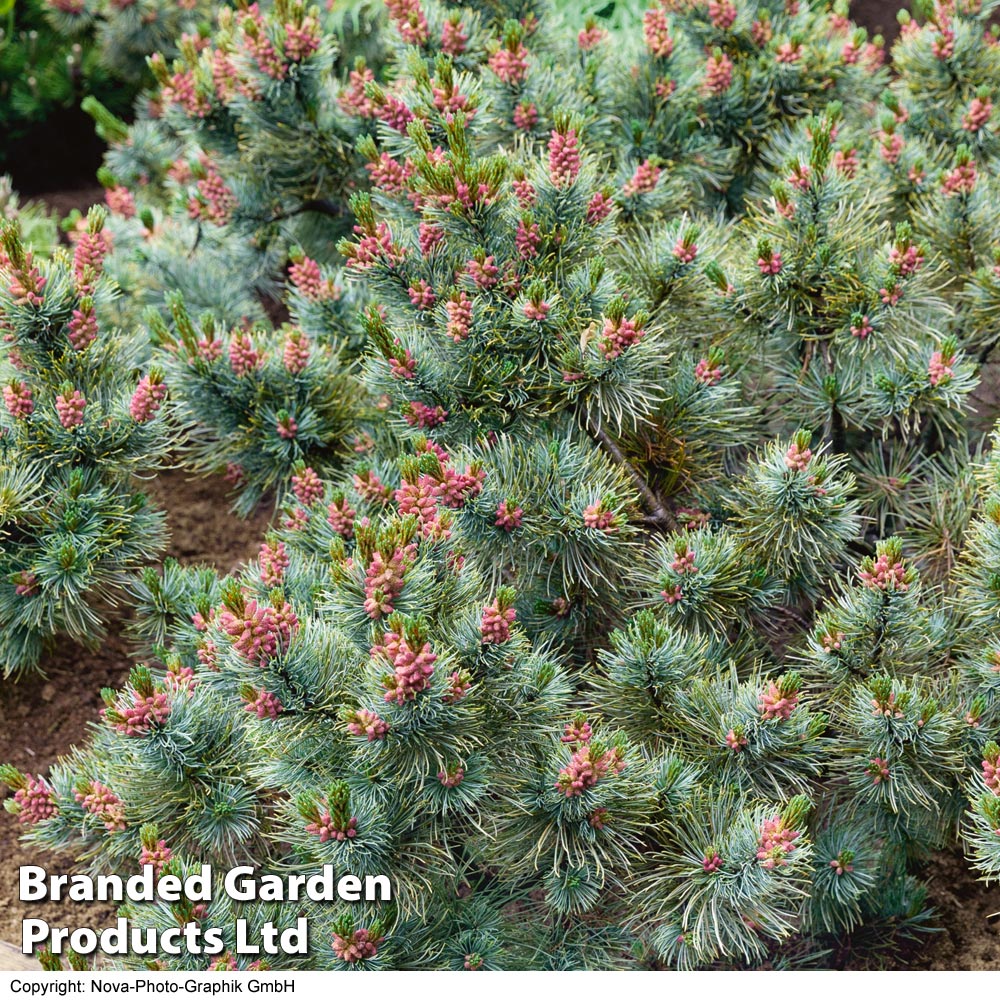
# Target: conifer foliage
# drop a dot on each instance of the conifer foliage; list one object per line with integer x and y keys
{"x": 630, "y": 596}
{"x": 82, "y": 417}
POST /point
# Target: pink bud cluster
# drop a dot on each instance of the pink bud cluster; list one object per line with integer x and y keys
{"x": 147, "y": 399}
{"x": 180, "y": 88}
{"x": 846, "y": 162}
{"x": 735, "y": 741}
{"x": 367, "y": 724}
{"x": 418, "y": 414}
{"x": 374, "y": 245}
{"x": 36, "y": 801}
{"x": 100, "y": 801}
{"x": 771, "y": 264}
{"x": 722, "y": 13}
{"x": 243, "y": 356}
{"x": 776, "y": 842}
{"x": 88, "y": 258}
{"x": 877, "y": 770}
{"x": 797, "y": 459}
{"x": 495, "y": 625}
{"x": 353, "y": 100}
{"x": 452, "y": 777}
{"x": 564, "y": 158}
{"x": 82, "y": 327}
{"x": 885, "y": 575}
{"x": 483, "y": 274}
{"x": 430, "y": 236}
{"x": 939, "y": 369}
{"x": 991, "y": 775}
{"x": 340, "y": 516}
{"x": 599, "y": 208}
{"x": 863, "y": 329}
{"x": 121, "y": 201}
{"x": 453, "y": 37}
{"x": 18, "y": 400}
{"x": 961, "y": 180}
{"x": 685, "y": 250}
{"x": 711, "y": 862}
{"x": 788, "y": 53}
{"x": 801, "y": 177}
{"x": 590, "y": 38}
{"x": 644, "y": 180}
{"x": 410, "y": 20}
{"x": 536, "y": 311}
{"x": 307, "y": 486}
{"x": 70, "y": 407}
{"x": 707, "y": 373}
{"x": 832, "y": 641}
{"x": 525, "y": 116}
{"x": 907, "y": 260}
{"x": 357, "y": 946}
{"x": 600, "y": 518}
{"x": 891, "y": 294}
{"x": 618, "y": 335}
{"x": 718, "y": 74}
{"x": 656, "y": 31}
{"x": 215, "y": 201}
{"x": 458, "y": 686}
{"x": 306, "y": 276}
{"x": 412, "y": 668}
{"x": 775, "y": 705}
{"x": 891, "y": 147}
{"x": 528, "y": 238}
{"x": 273, "y": 563}
{"x": 978, "y": 116}
{"x": 208, "y": 655}
{"x": 286, "y": 427}
{"x": 525, "y": 192}
{"x": 684, "y": 563}
{"x": 259, "y": 631}
{"x": 943, "y": 46}
{"x": 761, "y": 33}
{"x": 27, "y": 284}
{"x": 508, "y": 517}
{"x": 510, "y": 64}
{"x": 145, "y": 712}
{"x": 295, "y": 353}
{"x": 384, "y": 580}
{"x": 422, "y": 295}
{"x": 886, "y": 708}
{"x": 395, "y": 114}
{"x": 586, "y": 768}
{"x": 25, "y": 583}
{"x": 157, "y": 856}
{"x": 577, "y": 731}
{"x": 840, "y": 864}
{"x": 420, "y": 499}
{"x": 260, "y": 47}
{"x": 326, "y": 829}
{"x": 459, "y": 308}
{"x": 302, "y": 40}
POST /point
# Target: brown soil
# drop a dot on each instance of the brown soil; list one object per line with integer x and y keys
{"x": 42, "y": 717}
{"x": 969, "y": 913}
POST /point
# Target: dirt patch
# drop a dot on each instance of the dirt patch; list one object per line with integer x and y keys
{"x": 63, "y": 202}
{"x": 202, "y": 528}
{"x": 41, "y": 718}
{"x": 969, "y": 913}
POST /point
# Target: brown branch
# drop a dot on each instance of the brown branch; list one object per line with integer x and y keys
{"x": 658, "y": 516}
